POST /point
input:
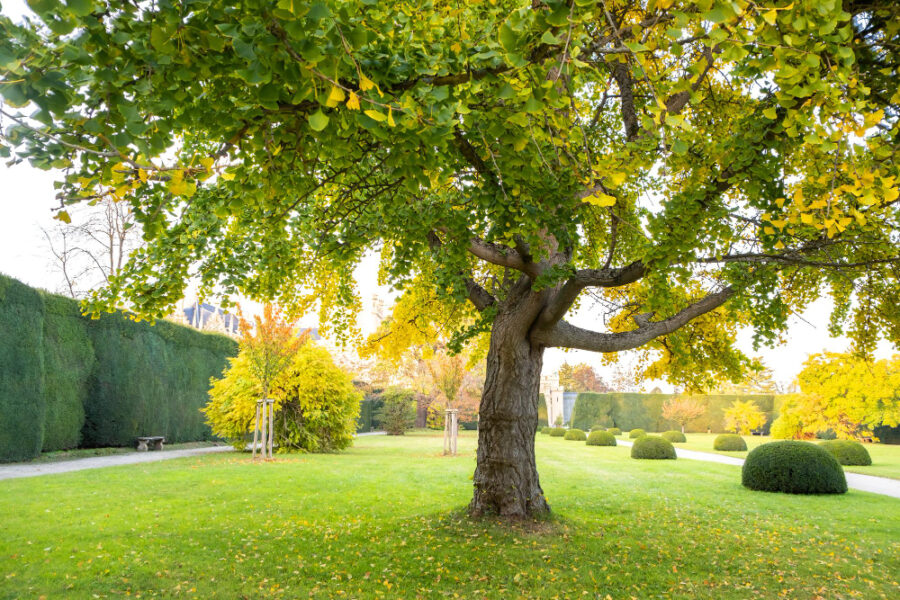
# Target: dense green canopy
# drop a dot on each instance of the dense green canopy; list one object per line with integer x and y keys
{"x": 667, "y": 155}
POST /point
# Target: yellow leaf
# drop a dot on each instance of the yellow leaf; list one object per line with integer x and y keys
{"x": 769, "y": 16}
{"x": 375, "y": 115}
{"x": 600, "y": 199}
{"x": 365, "y": 84}
{"x": 779, "y": 223}
{"x": 617, "y": 179}
{"x": 768, "y": 230}
{"x": 891, "y": 194}
{"x": 456, "y": 47}
{"x": 779, "y": 244}
{"x": 142, "y": 175}
{"x": 335, "y": 97}
{"x": 227, "y": 176}
{"x": 353, "y": 101}
{"x": 63, "y": 216}
{"x": 860, "y": 218}
{"x": 780, "y": 202}
{"x": 207, "y": 162}
{"x": 122, "y": 191}
{"x": 391, "y": 116}
{"x": 806, "y": 218}
{"x": 519, "y": 144}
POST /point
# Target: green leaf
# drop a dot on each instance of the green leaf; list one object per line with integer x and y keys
{"x": 319, "y": 11}
{"x": 770, "y": 113}
{"x": 560, "y": 16}
{"x": 550, "y": 39}
{"x": 318, "y": 121}
{"x": 679, "y": 147}
{"x": 507, "y": 38}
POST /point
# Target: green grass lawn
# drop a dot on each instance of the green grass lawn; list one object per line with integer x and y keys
{"x": 386, "y": 520}
{"x": 885, "y": 457}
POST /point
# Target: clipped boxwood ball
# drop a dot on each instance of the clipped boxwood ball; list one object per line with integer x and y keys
{"x": 545, "y": 430}
{"x": 636, "y": 433}
{"x": 614, "y": 431}
{"x": 651, "y": 446}
{"x": 676, "y": 437}
{"x": 601, "y": 438}
{"x": 557, "y": 432}
{"x": 793, "y": 468}
{"x": 730, "y": 442}
{"x": 576, "y": 435}
{"x": 848, "y": 452}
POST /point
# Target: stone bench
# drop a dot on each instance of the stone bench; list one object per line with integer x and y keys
{"x": 156, "y": 441}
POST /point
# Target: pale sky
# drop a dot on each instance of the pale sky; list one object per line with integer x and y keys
{"x": 27, "y": 197}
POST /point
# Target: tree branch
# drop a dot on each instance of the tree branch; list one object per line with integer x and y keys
{"x": 566, "y": 335}
{"x": 560, "y": 303}
{"x": 478, "y": 296}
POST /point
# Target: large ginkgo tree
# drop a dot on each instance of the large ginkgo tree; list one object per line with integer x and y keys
{"x": 683, "y": 167}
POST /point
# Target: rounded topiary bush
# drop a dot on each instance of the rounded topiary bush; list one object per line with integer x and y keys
{"x": 557, "y": 432}
{"x": 614, "y": 431}
{"x": 636, "y": 433}
{"x": 651, "y": 446}
{"x": 545, "y": 430}
{"x": 575, "y": 435}
{"x": 676, "y": 437}
{"x": 793, "y": 468}
{"x": 601, "y": 438}
{"x": 730, "y": 442}
{"x": 848, "y": 452}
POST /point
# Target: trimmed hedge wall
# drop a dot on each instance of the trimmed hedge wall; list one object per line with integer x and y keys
{"x": 23, "y": 405}
{"x": 68, "y": 381}
{"x": 644, "y": 411}
{"x": 150, "y": 380}
{"x": 69, "y": 361}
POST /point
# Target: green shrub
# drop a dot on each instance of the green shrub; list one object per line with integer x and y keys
{"x": 545, "y": 430}
{"x": 575, "y": 435}
{"x": 676, "y": 437}
{"x": 730, "y": 442}
{"x": 636, "y": 433}
{"x": 614, "y": 431}
{"x": 557, "y": 432}
{"x": 848, "y": 452}
{"x": 654, "y": 447}
{"x": 601, "y": 438}
{"x": 793, "y": 468}
{"x": 398, "y": 413}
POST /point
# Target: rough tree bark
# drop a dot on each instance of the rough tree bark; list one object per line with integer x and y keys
{"x": 506, "y": 477}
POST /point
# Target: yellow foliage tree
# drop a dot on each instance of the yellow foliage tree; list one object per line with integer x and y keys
{"x": 743, "y": 417}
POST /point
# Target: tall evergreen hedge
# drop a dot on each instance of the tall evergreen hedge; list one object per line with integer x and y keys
{"x": 644, "y": 411}
{"x": 68, "y": 363}
{"x": 23, "y": 406}
{"x": 67, "y": 381}
{"x": 150, "y": 380}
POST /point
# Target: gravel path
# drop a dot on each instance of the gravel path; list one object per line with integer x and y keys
{"x": 113, "y": 460}
{"x": 97, "y": 462}
{"x": 856, "y": 481}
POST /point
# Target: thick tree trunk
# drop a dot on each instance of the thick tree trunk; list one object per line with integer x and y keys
{"x": 506, "y": 478}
